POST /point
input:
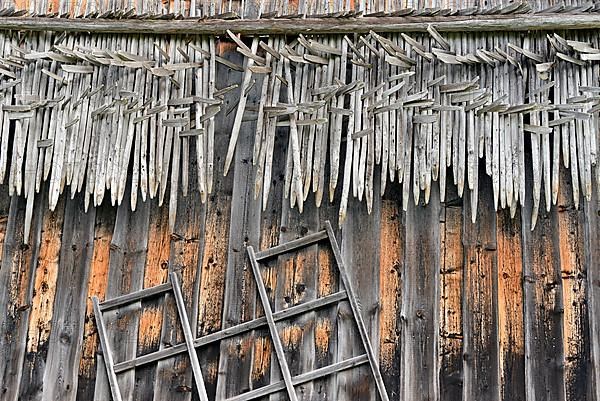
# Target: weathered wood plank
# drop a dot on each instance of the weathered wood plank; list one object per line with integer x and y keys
{"x": 44, "y": 290}
{"x": 419, "y": 312}
{"x": 479, "y": 298}
{"x": 391, "y": 270}
{"x": 128, "y": 249}
{"x": 451, "y": 290}
{"x": 64, "y": 350}
{"x": 240, "y": 291}
{"x": 17, "y": 277}
{"x": 573, "y": 270}
{"x": 542, "y": 292}
{"x": 360, "y": 232}
{"x": 90, "y": 361}
{"x": 184, "y": 258}
{"x": 151, "y": 314}
{"x": 297, "y": 275}
{"x": 592, "y": 259}
{"x": 511, "y": 335}
{"x": 290, "y": 26}
{"x": 216, "y": 242}
{"x": 270, "y": 233}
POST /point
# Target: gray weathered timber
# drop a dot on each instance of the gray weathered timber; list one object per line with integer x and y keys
{"x": 419, "y": 314}
{"x": 356, "y": 311}
{"x": 285, "y": 370}
{"x": 64, "y": 351}
{"x": 542, "y": 291}
{"x": 17, "y": 276}
{"x": 479, "y": 309}
{"x": 292, "y": 26}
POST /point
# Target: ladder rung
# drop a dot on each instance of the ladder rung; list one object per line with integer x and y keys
{"x": 303, "y": 378}
{"x": 232, "y": 331}
{"x": 134, "y": 296}
{"x": 290, "y": 246}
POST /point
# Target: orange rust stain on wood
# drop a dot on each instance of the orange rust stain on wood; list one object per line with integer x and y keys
{"x": 225, "y": 47}
{"x": 291, "y": 336}
{"x": 156, "y": 271}
{"x": 322, "y": 336}
{"x": 214, "y": 266}
{"x": 510, "y": 301}
{"x": 574, "y": 294}
{"x": 293, "y": 272}
{"x": 241, "y": 347}
{"x": 391, "y": 256}
{"x": 150, "y": 323}
{"x": 45, "y": 279}
{"x": 261, "y": 362}
{"x": 98, "y": 281}
{"x": 327, "y": 272}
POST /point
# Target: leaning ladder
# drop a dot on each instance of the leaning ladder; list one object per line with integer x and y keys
{"x": 101, "y": 307}
{"x": 348, "y": 294}
{"x": 269, "y": 320}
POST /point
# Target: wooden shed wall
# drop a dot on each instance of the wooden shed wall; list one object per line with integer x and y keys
{"x": 456, "y": 310}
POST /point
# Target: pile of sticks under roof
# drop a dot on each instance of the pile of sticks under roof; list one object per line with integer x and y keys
{"x": 87, "y": 113}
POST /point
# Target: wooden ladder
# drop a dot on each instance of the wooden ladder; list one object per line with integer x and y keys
{"x": 100, "y": 307}
{"x": 269, "y": 320}
{"x": 288, "y": 381}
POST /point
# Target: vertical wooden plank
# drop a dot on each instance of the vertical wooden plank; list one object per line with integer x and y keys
{"x": 419, "y": 313}
{"x": 361, "y": 253}
{"x": 17, "y": 276}
{"x": 574, "y": 295}
{"x": 173, "y": 376}
{"x": 44, "y": 290}
{"x": 128, "y": 249}
{"x": 544, "y": 378}
{"x": 451, "y": 290}
{"x": 151, "y": 315}
{"x": 326, "y": 326}
{"x": 216, "y": 245}
{"x": 98, "y": 279}
{"x": 64, "y": 350}
{"x": 240, "y": 290}
{"x": 391, "y": 272}
{"x": 592, "y": 260}
{"x": 479, "y": 297}
{"x": 511, "y": 336}
{"x": 270, "y": 233}
{"x": 297, "y": 274}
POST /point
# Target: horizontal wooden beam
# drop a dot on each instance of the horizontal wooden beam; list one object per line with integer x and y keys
{"x": 292, "y": 26}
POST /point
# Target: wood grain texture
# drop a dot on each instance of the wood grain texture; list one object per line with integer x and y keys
{"x": 542, "y": 292}
{"x": 450, "y": 301}
{"x": 293, "y": 26}
{"x": 240, "y": 291}
{"x": 64, "y": 350}
{"x": 574, "y": 295}
{"x": 511, "y": 335}
{"x": 480, "y": 332}
{"x": 419, "y": 315}
{"x": 391, "y": 271}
